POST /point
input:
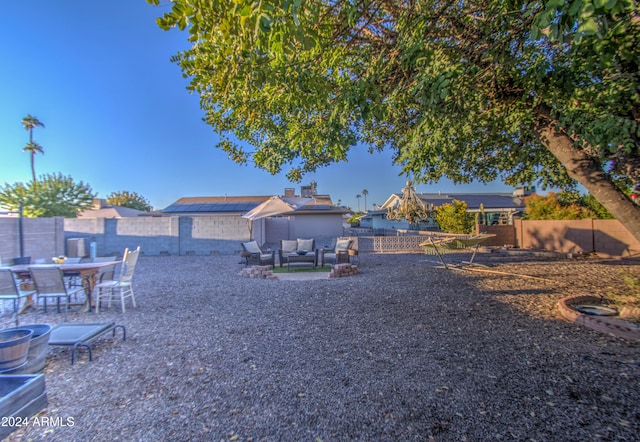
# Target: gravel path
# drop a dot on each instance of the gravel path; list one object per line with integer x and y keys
{"x": 402, "y": 351}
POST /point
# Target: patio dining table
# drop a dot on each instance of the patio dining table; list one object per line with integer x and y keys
{"x": 87, "y": 271}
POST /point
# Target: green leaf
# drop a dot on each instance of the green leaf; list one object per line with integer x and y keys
{"x": 589, "y": 26}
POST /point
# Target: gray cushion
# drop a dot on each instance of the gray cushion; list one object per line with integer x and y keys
{"x": 305, "y": 244}
{"x": 289, "y": 245}
{"x": 252, "y": 247}
{"x": 342, "y": 245}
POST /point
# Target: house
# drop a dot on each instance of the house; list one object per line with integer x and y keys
{"x": 491, "y": 208}
{"x": 318, "y": 219}
{"x": 101, "y": 209}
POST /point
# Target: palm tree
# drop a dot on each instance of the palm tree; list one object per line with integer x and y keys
{"x": 358, "y": 196}
{"x": 30, "y": 122}
{"x": 33, "y": 148}
{"x": 365, "y": 192}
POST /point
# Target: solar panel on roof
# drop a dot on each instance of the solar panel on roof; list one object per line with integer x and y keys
{"x": 211, "y": 207}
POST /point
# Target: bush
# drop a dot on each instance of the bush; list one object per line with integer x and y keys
{"x": 453, "y": 217}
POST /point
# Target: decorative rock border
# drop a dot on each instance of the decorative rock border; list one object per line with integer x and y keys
{"x": 258, "y": 272}
{"x": 342, "y": 270}
{"x": 265, "y": 272}
{"x": 602, "y": 324}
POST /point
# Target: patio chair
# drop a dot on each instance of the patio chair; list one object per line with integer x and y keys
{"x": 10, "y": 291}
{"x": 253, "y": 254}
{"x": 293, "y": 246}
{"x": 50, "y": 283}
{"x": 338, "y": 255}
{"x": 107, "y": 273}
{"x": 73, "y": 280}
{"x": 106, "y": 288}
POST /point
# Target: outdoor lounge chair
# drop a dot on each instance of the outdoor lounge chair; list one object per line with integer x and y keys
{"x": 295, "y": 247}
{"x": 456, "y": 243}
{"x": 338, "y": 255}
{"x": 254, "y": 255}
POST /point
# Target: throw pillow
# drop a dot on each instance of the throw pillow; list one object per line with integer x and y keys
{"x": 342, "y": 245}
{"x": 252, "y": 247}
{"x": 305, "y": 244}
{"x": 289, "y": 245}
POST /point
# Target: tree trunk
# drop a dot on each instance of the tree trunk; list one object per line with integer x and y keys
{"x": 33, "y": 166}
{"x": 588, "y": 172}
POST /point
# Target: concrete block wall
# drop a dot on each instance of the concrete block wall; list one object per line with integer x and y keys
{"x": 606, "y": 237}
{"x": 206, "y": 235}
{"x": 43, "y": 238}
{"x": 198, "y": 235}
{"x": 47, "y": 237}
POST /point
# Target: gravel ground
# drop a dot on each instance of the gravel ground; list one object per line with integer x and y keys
{"x": 402, "y": 351}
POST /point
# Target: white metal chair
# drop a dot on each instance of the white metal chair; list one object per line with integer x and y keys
{"x": 105, "y": 289}
{"x": 50, "y": 283}
{"x": 10, "y": 291}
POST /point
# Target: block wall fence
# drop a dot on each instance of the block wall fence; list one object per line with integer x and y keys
{"x": 44, "y": 238}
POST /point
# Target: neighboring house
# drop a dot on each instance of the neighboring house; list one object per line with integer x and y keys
{"x": 491, "y": 208}
{"x": 101, "y": 209}
{"x": 319, "y": 219}
{"x": 212, "y": 205}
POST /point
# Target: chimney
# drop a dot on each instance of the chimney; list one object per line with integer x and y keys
{"x": 522, "y": 191}
{"x": 98, "y": 203}
{"x": 309, "y": 190}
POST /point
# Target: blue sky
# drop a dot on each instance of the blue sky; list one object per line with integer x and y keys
{"x": 118, "y": 117}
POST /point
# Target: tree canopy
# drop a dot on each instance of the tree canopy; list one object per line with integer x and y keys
{"x": 128, "y": 199}
{"x": 52, "y": 195}
{"x": 551, "y": 207}
{"x": 522, "y": 91}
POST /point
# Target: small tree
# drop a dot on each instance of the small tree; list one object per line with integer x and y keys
{"x": 553, "y": 206}
{"x": 454, "y": 218}
{"x": 53, "y": 195}
{"x": 128, "y": 199}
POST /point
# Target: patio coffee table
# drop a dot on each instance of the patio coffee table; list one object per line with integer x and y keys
{"x": 77, "y": 335}
{"x": 294, "y": 258}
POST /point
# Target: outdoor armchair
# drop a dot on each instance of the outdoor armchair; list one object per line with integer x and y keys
{"x": 255, "y": 255}
{"x": 338, "y": 255}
